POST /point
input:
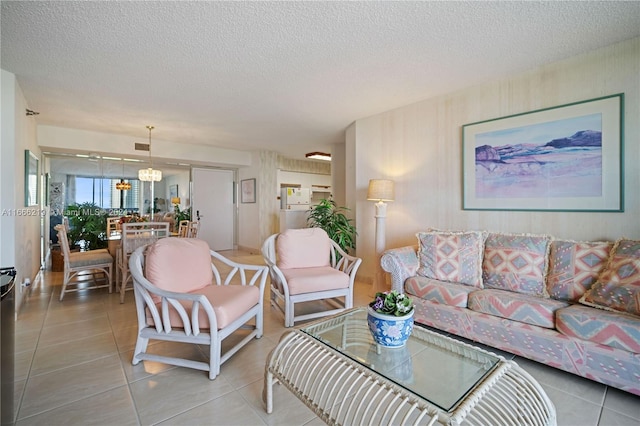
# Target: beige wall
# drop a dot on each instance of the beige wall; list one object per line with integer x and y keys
{"x": 419, "y": 146}
{"x": 63, "y": 139}
{"x": 338, "y": 190}
{"x": 257, "y": 221}
{"x": 20, "y": 225}
{"x": 254, "y": 218}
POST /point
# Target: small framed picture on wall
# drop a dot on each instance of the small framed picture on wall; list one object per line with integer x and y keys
{"x": 248, "y": 191}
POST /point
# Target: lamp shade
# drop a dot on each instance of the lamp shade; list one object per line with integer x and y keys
{"x": 150, "y": 175}
{"x": 175, "y": 200}
{"x": 381, "y": 190}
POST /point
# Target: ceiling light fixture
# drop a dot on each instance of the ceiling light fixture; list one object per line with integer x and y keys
{"x": 318, "y": 156}
{"x": 122, "y": 185}
{"x": 150, "y": 175}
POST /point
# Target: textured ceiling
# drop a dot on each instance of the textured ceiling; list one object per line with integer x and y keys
{"x": 283, "y": 76}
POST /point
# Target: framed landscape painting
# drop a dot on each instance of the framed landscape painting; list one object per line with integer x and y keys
{"x": 565, "y": 158}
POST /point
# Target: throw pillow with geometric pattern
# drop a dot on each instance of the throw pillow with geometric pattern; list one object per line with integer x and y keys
{"x": 454, "y": 257}
{"x": 516, "y": 263}
{"x": 618, "y": 288}
{"x": 574, "y": 267}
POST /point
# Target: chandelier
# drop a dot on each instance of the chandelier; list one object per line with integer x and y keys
{"x": 150, "y": 175}
{"x": 122, "y": 185}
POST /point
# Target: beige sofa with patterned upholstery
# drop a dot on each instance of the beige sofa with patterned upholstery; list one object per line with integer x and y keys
{"x": 570, "y": 305}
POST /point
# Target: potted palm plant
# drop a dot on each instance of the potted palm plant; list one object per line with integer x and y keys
{"x": 88, "y": 226}
{"x": 337, "y": 225}
{"x": 181, "y": 215}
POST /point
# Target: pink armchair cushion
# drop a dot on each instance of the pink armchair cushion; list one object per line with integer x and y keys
{"x": 181, "y": 265}
{"x": 303, "y": 248}
{"x": 229, "y": 303}
{"x": 312, "y": 280}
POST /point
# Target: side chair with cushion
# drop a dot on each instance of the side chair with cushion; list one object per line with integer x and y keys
{"x": 194, "y": 227}
{"x": 183, "y": 228}
{"x": 187, "y": 293}
{"x": 136, "y": 235}
{"x": 77, "y": 262}
{"x": 306, "y": 265}
{"x": 113, "y": 226}
{"x": 188, "y": 229}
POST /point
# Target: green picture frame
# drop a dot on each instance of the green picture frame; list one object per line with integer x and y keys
{"x": 563, "y": 158}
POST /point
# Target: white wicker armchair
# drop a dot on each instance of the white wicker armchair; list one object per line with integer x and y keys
{"x": 173, "y": 304}
{"x": 306, "y": 265}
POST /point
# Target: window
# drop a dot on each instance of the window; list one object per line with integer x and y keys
{"x": 103, "y": 192}
{"x": 125, "y": 199}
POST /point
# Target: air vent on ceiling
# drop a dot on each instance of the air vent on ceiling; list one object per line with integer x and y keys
{"x": 142, "y": 146}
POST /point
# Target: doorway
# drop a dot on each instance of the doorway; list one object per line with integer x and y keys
{"x": 213, "y": 204}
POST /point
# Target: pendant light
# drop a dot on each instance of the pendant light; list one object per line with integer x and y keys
{"x": 150, "y": 175}
{"x": 122, "y": 185}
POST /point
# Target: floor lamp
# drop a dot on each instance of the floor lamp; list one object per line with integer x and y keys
{"x": 380, "y": 190}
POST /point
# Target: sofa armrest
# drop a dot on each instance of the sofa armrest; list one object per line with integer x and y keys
{"x": 401, "y": 263}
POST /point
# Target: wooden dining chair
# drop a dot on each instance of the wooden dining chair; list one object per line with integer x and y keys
{"x": 193, "y": 229}
{"x": 136, "y": 235}
{"x": 92, "y": 262}
{"x": 183, "y": 228}
{"x": 113, "y": 226}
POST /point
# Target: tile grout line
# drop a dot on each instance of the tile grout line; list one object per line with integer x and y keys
{"x": 16, "y": 415}
{"x": 124, "y": 373}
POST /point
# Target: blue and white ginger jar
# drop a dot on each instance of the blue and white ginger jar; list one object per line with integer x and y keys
{"x": 388, "y": 330}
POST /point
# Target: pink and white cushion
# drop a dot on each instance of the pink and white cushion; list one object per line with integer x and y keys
{"x": 524, "y": 308}
{"x": 454, "y": 257}
{"x": 618, "y": 288}
{"x": 229, "y": 302}
{"x": 436, "y": 291}
{"x": 574, "y": 267}
{"x": 303, "y": 248}
{"x": 515, "y": 262}
{"x": 614, "y": 329}
{"x": 313, "y": 280}
{"x": 179, "y": 264}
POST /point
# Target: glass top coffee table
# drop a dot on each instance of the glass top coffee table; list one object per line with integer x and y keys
{"x": 336, "y": 369}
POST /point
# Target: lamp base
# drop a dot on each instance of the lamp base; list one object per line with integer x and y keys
{"x": 379, "y": 282}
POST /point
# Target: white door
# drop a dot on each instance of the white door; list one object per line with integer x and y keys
{"x": 212, "y": 201}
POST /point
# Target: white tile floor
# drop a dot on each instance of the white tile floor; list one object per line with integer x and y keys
{"x": 73, "y": 367}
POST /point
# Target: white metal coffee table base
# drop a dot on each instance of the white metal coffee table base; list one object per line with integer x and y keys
{"x": 342, "y": 391}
